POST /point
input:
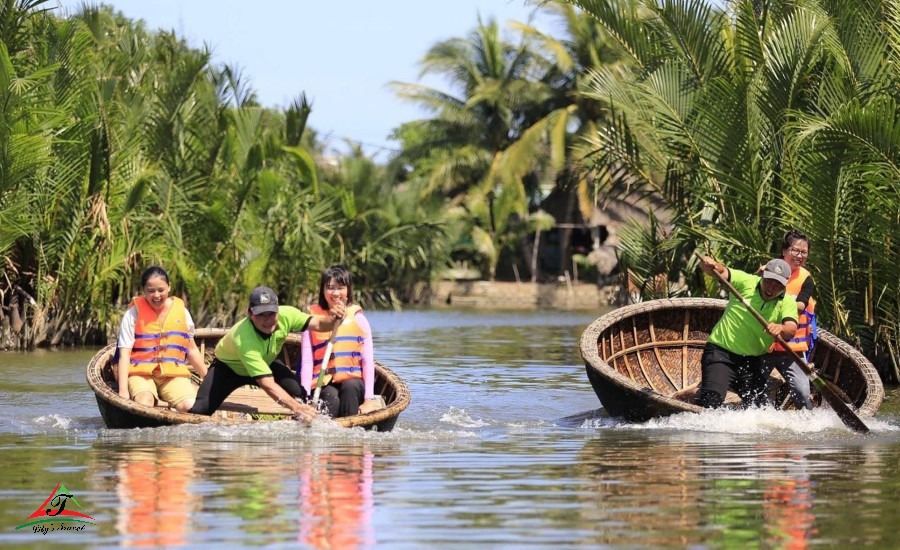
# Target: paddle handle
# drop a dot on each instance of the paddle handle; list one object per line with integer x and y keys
{"x": 323, "y": 369}
{"x": 843, "y": 411}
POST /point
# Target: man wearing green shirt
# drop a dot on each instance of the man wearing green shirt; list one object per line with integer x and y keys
{"x": 733, "y": 353}
{"x": 247, "y": 355}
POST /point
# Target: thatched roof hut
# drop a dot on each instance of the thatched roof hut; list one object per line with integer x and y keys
{"x": 596, "y": 235}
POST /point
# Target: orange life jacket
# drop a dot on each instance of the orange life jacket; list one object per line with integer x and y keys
{"x": 805, "y": 321}
{"x": 346, "y": 356}
{"x": 164, "y": 347}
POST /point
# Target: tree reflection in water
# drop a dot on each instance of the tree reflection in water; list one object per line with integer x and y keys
{"x": 698, "y": 494}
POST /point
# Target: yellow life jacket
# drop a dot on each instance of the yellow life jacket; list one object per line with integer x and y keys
{"x": 164, "y": 347}
{"x": 346, "y": 355}
{"x": 806, "y": 321}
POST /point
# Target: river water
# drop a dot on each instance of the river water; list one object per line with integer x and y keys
{"x": 499, "y": 449}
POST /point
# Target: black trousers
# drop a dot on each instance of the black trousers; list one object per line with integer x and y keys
{"x": 343, "y": 397}
{"x": 721, "y": 369}
{"x": 220, "y": 381}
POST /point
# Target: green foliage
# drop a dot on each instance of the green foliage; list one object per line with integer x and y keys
{"x": 650, "y": 256}
{"x": 760, "y": 118}
{"x": 120, "y": 149}
{"x": 500, "y": 139}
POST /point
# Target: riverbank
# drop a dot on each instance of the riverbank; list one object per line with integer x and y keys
{"x": 519, "y": 295}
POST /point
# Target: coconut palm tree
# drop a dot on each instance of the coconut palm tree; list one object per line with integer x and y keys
{"x": 547, "y": 148}
{"x": 760, "y": 117}
{"x": 489, "y": 76}
{"x": 458, "y": 152}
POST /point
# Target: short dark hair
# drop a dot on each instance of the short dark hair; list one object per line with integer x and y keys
{"x": 341, "y": 276}
{"x": 154, "y": 272}
{"x": 791, "y": 236}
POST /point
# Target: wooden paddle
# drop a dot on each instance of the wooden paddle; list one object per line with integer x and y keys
{"x": 323, "y": 369}
{"x": 847, "y": 416}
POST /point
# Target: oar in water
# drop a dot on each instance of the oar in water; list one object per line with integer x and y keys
{"x": 847, "y": 416}
{"x": 323, "y": 368}
{"x": 578, "y": 419}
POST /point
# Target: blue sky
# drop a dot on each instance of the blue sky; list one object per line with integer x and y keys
{"x": 342, "y": 53}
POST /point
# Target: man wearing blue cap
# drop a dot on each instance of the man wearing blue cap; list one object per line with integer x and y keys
{"x": 733, "y": 353}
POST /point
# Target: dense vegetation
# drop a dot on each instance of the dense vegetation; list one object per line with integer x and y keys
{"x": 771, "y": 115}
{"x": 120, "y": 148}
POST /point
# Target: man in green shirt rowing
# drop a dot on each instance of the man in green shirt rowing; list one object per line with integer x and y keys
{"x": 735, "y": 347}
{"x": 247, "y": 355}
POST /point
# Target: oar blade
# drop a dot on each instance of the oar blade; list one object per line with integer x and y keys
{"x": 847, "y": 416}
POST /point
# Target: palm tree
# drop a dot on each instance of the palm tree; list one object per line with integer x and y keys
{"x": 490, "y": 76}
{"x": 530, "y": 158}
{"x": 458, "y": 151}
{"x": 758, "y": 118}
{"x": 54, "y": 145}
{"x": 547, "y": 148}
{"x": 122, "y": 149}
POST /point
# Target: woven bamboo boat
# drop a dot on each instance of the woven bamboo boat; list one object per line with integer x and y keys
{"x": 642, "y": 358}
{"x": 246, "y": 404}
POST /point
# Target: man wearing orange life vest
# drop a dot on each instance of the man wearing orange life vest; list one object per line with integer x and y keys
{"x": 155, "y": 345}
{"x": 800, "y": 286}
{"x": 352, "y": 366}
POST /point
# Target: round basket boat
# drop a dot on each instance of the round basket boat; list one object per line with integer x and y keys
{"x": 642, "y": 358}
{"x": 246, "y": 404}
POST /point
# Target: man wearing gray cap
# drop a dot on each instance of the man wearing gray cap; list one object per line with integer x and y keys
{"x": 248, "y": 353}
{"x": 733, "y": 353}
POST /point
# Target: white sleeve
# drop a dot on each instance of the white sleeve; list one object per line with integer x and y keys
{"x": 126, "y": 329}
{"x": 190, "y": 322}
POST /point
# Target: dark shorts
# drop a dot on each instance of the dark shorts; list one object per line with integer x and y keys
{"x": 722, "y": 369}
{"x": 220, "y": 381}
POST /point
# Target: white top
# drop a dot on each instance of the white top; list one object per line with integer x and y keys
{"x": 126, "y": 329}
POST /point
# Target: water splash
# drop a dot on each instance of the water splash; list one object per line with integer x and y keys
{"x": 763, "y": 421}
{"x": 459, "y": 417}
{"x": 54, "y": 421}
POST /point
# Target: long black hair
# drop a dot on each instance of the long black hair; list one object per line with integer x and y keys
{"x": 341, "y": 276}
